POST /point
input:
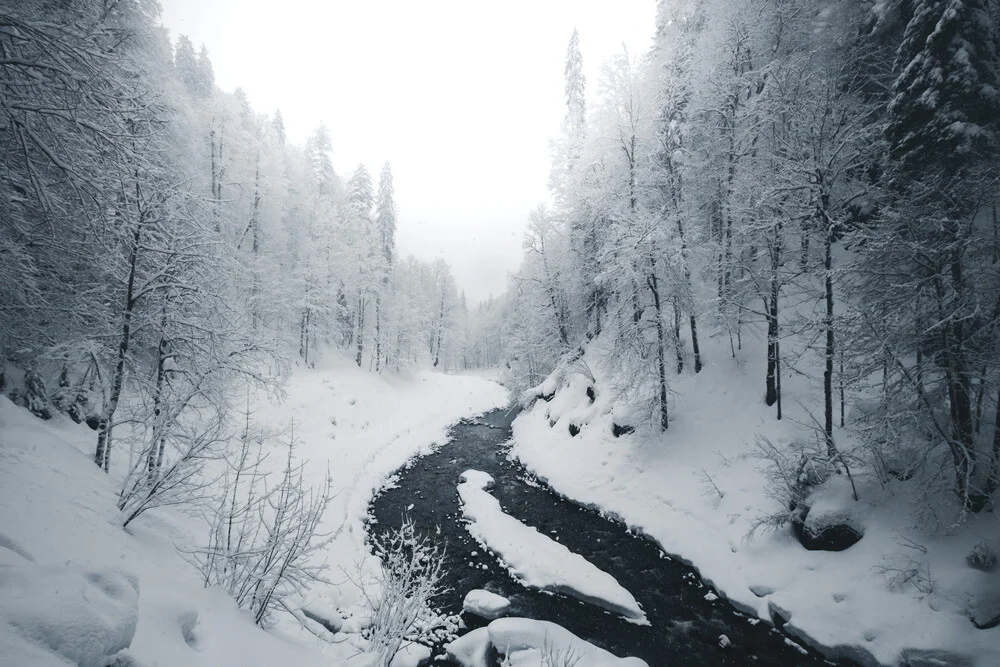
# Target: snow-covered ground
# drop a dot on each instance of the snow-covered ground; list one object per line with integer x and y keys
{"x": 60, "y": 533}
{"x": 698, "y": 489}
{"x": 535, "y": 559}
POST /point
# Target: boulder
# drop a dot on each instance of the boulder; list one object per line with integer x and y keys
{"x": 619, "y": 430}
{"x": 984, "y": 611}
{"x": 829, "y": 536}
{"x": 485, "y": 604}
{"x": 831, "y": 519}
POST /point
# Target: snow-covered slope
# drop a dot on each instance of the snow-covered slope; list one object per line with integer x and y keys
{"x": 59, "y": 527}
{"x": 698, "y": 489}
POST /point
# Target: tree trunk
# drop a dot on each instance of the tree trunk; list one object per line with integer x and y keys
{"x": 378, "y": 333}
{"x": 440, "y": 332}
{"x": 831, "y": 448}
{"x": 102, "y": 456}
{"x": 771, "y": 382}
{"x": 359, "y": 340}
{"x": 687, "y": 278}
{"x": 661, "y": 369}
{"x": 154, "y": 458}
{"x": 678, "y": 346}
{"x": 993, "y": 479}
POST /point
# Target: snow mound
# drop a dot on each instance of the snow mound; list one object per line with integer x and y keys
{"x": 55, "y": 616}
{"x": 535, "y": 559}
{"x": 472, "y": 649}
{"x": 485, "y": 604}
{"x": 529, "y": 643}
{"x": 477, "y": 479}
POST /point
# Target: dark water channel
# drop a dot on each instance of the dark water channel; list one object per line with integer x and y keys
{"x": 685, "y": 627}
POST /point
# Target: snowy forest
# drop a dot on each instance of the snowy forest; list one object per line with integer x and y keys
{"x": 757, "y": 323}
{"x": 826, "y": 176}
{"x": 158, "y": 227}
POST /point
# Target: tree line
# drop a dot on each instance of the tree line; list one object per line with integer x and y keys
{"x": 163, "y": 243}
{"x": 825, "y": 174}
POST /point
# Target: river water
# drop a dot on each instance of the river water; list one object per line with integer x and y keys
{"x": 685, "y": 626}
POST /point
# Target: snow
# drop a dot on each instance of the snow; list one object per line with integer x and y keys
{"x": 537, "y": 560}
{"x": 530, "y": 643}
{"x": 51, "y": 614}
{"x": 471, "y": 649}
{"x": 663, "y": 484}
{"x": 60, "y": 533}
{"x": 485, "y": 604}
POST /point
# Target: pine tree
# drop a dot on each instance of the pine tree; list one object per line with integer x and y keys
{"x": 360, "y": 226}
{"x": 385, "y": 223}
{"x": 942, "y": 127}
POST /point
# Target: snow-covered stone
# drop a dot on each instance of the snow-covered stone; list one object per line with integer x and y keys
{"x": 835, "y": 521}
{"x": 985, "y": 609}
{"x": 477, "y": 478}
{"x": 51, "y": 615}
{"x": 530, "y": 643}
{"x": 411, "y": 655}
{"x": 485, "y": 604}
{"x": 516, "y": 635}
{"x": 472, "y": 649}
{"x": 535, "y": 559}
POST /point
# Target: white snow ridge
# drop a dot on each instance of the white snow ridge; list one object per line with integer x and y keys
{"x": 535, "y": 559}
{"x": 527, "y": 642}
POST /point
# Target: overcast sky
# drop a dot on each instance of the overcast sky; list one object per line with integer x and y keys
{"x": 461, "y": 97}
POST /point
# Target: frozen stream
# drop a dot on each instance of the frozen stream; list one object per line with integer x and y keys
{"x": 685, "y": 626}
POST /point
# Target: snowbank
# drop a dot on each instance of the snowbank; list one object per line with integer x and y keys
{"x": 54, "y": 615}
{"x": 535, "y": 559}
{"x": 697, "y": 490}
{"x": 530, "y": 643}
{"x": 56, "y": 505}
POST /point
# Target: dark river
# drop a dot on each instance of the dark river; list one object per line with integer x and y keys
{"x": 685, "y": 627}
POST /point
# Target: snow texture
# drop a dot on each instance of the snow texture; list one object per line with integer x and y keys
{"x": 58, "y": 521}
{"x": 535, "y": 559}
{"x": 697, "y": 490}
{"x": 55, "y": 615}
{"x": 530, "y": 643}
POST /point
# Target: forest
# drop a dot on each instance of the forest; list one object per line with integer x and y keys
{"x": 788, "y": 205}
{"x": 824, "y": 175}
{"x": 161, "y": 235}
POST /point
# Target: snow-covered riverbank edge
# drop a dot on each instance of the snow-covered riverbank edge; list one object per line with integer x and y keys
{"x": 59, "y": 509}
{"x": 697, "y": 490}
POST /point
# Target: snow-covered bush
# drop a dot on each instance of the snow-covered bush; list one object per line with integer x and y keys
{"x": 788, "y": 473}
{"x": 982, "y": 557}
{"x": 791, "y": 473}
{"x": 412, "y": 577}
{"x": 176, "y": 474}
{"x": 263, "y": 538}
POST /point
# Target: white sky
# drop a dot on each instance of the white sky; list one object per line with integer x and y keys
{"x": 461, "y": 97}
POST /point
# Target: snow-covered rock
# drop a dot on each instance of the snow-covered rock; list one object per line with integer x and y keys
{"x": 57, "y": 616}
{"x": 485, "y": 604}
{"x": 535, "y": 559}
{"x": 984, "y": 611}
{"x": 411, "y": 655}
{"x": 472, "y": 649}
{"x": 477, "y": 479}
{"x": 835, "y": 520}
{"x": 529, "y": 643}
